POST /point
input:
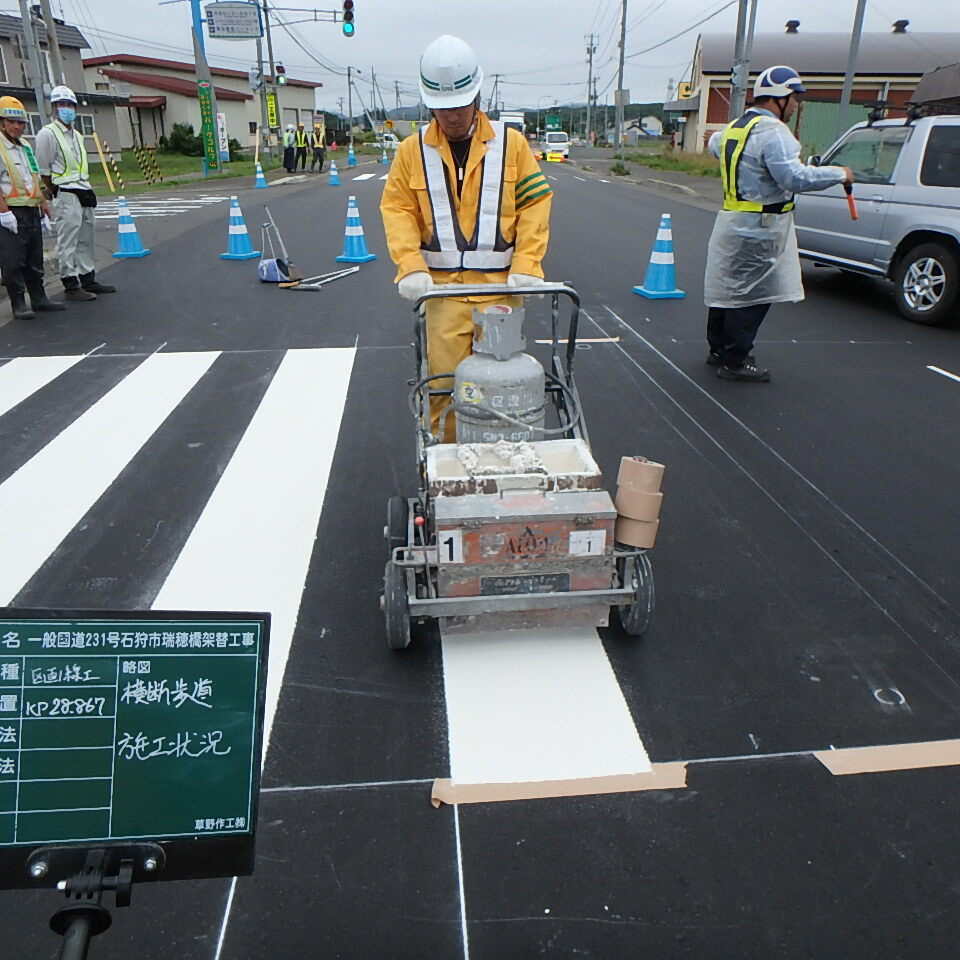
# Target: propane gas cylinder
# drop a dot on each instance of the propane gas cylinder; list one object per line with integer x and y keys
{"x": 498, "y": 378}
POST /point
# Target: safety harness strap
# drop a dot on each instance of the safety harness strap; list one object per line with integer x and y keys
{"x": 732, "y": 144}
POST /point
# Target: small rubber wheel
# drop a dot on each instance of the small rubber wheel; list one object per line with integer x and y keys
{"x": 396, "y": 528}
{"x": 926, "y": 283}
{"x": 636, "y": 618}
{"x": 396, "y": 610}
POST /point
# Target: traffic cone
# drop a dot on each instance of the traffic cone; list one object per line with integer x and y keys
{"x": 354, "y": 244}
{"x": 351, "y": 157}
{"x": 383, "y": 156}
{"x": 261, "y": 182}
{"x": 129, "y": 239}
{"x": 238, "y": 240}
{"x": 334, "y": 180}
{"x": 660, "y": 283}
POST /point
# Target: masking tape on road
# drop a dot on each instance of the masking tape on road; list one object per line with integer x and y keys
{"x": 895, "y": 756}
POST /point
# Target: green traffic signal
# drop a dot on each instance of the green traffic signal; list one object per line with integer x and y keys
{"x": 349, "y": 28}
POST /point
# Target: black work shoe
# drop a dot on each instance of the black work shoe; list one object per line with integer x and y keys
{"x": 746, "y": 371}
{"x": 78, "y": 293}
{"x": 90, "y": 282}
{"x": 715, "y": 360}
{"x": 20, "y": 309}
{"x": 43, "y": 304}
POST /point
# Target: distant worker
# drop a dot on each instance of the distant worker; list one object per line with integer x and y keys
{"x": 318, "y": 147}
{"x": 465, "y": 202}
{"x": 62, "y": 156}
{"x": 289, "y": 148}
{"x": 300, "y": 142}
{"x": 752, "y": 258}
{"x": 21, "y": 206}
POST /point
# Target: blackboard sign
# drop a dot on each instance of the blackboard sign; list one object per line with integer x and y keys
{"x": 127, "y": 727}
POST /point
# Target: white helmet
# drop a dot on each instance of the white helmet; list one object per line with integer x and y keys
{"x": 62, "y": 93}
{"x": 450, "y": 75}
{"x": 778, "y": 82}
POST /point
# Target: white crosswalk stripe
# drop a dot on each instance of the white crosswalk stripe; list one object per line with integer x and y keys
{"x": 384, "y": 177}
{"x": 365, "y": 176}
{"x": 156, "y": 206}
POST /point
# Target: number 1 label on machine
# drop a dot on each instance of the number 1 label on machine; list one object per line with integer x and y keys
{"x": 450, "y": 543}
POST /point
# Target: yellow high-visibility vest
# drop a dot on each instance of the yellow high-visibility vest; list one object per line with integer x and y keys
{"x": 732, "y": 142}
{"x": 72, "y": 171}
{"x": 20, "y": 194}
{"x": 301, "y": 138}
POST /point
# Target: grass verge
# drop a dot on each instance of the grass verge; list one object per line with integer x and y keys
{"x": 698, "y": 164}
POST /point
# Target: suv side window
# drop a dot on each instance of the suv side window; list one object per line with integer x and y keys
{"x": 941, "y": 159}
{"x": 871, "y": 152}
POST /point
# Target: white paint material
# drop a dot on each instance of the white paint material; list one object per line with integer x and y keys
{"x": 463, "y": 896}
{"x": 581, "y": 179}
{"x": 25, "y": 375}
{"x": 365, "y": 176}
{"x": 537, "y": 704}
{"x": 226, "y": 919}
{"x": 251, "y": 548}
{"x": 384, "y": 177}
{"x": 45, "y": 499}
{"x": 601, "y": 180}
{"x": 945, "y": 373}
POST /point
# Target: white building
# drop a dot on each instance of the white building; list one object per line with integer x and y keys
{"x": 161, "y": 93}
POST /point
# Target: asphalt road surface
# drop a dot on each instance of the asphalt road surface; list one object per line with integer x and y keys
{"x": 807, "y": 597}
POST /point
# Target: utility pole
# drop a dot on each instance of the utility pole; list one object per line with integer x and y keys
{"x": 396, "y": 87}
{"x": 262, "y": 93}
{"x": 53, "y": 44}
{"x": 34, "y": 70}
{"x": 847, "y": 91}
{"x": 350, "y": 102}
{"x": 618, "y": 103}
{"x": 273, "y": 68}
{"x": 591, "y": 50}
{"x": 738, "y": 77}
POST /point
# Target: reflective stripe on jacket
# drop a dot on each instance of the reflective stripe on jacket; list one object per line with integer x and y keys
{"x": 72, "y": 171}
{"x": 733, "y": 140}
{"x": 520, "y": 219}
{"x": 301, "y": 140}
{"x": 316, "y": 141}
{"x": 20, "y": 194}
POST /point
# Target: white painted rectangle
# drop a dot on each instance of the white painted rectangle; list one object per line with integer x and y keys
{"x": 24, "y": 376}
{"x": 251, "y": 548}
{"x": 587, "y": 543}
{"x": 540, "y": 704}
{"x": 450, "y": 546}
{"x": 365, "y": 176}
{"x": 46, "y": 498}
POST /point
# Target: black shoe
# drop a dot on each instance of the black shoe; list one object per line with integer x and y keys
{"x": 20, "y": 309}
{"x": 715, "y": 360}
{"x": 746, "y": 371}
{"x": 78, "y": 293}
{"x": 43, "y": 304}
{"x": 90, "y": 282}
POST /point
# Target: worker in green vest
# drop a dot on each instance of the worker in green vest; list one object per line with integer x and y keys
{"x": 319, "y": 147}
{"x": 289, "y": 150}
{"x": 301, "y": 144}
{"x": 752, "y": 258}
{"x": 62, "y": 157}
{"x": 21, "y": 206}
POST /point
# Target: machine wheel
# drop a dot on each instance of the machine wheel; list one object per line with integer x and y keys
{"x": 638, "y": 616}
{"x": 927, "y": 283}
{"x": 395, "y": 532}
{"x": 396, "y": 610}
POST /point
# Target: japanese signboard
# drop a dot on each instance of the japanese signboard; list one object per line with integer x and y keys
{"x": 124, "y": 729}
{"x": 233, "y": 20}
{"x": 208, "y": 129}
{"x": 273, "y": 109}
{"x": 223, "y": 143}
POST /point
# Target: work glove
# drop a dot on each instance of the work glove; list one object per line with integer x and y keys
{"x": 46, "y": 226}
{"x": 8, "y": 220}
{"x": 414, "y": 285}
{"x": 525, "y": 280}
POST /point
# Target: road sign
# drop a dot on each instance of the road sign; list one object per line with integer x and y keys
{"x": 273, "y": 110}
{"x": 131, "y": 727}
{"x": 208, "y": 129}
{"x": 553, "y": 121}
{"x": 255, "y": 78}
{"x": 390, "y": 124}
{"x": 233, "y": 20}
{"x": 621, "y": 98}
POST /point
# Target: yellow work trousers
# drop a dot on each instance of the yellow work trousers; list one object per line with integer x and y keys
{"x": 449, "y": 340}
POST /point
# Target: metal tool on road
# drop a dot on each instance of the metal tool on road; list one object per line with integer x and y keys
{"x": 274, "y": 269}
{"x": 511, "y": 527}
{"x": 851, "y": 203}
{"x": 316, "y": 283}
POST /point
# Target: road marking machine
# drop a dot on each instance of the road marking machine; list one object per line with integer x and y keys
{"x": 511, "y": 527}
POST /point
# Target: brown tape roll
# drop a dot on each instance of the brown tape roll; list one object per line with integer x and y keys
{"x": 636, "y": 533}
{"x": 638, "y": 504}
{"x": 640, "y": 474}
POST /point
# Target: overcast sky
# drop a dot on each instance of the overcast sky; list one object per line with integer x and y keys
{"x": 538, "y": 45}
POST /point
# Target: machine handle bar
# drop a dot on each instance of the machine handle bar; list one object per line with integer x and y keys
{"x": 494, "y": 290}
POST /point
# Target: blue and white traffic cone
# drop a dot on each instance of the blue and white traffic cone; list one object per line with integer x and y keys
{"x": 383, "y": 156}
{"x": 351, "y": 157}
{"x": 660, "y": 283}
{"x": 261, "y": 182}
{"x": 129, "y": 239}
{"x": 354, "y": 244}
{"x": 334, "y": 180}
{"x": 238, "y": 240}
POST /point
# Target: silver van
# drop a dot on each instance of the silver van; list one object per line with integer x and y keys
{"x": 908, "y": 197}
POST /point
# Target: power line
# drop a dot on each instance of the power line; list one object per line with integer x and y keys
{"x": 693, "y": 26}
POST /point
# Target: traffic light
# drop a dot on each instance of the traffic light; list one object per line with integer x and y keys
{"x": 281, "y": 74}
{"x": 256, "y": 78}
{"x": 349, "y": 27}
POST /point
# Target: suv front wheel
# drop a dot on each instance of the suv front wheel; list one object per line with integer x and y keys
{"x": 927, "y": 283}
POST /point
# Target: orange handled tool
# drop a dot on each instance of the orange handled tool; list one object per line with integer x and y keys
{"x": 851, "y": 203}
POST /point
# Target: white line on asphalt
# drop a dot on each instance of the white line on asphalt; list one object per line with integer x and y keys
{"x": 601, "y": 180}
{"x": 945, "y": 373}
{"x": 585, "y": 340}
{"x": 549, "y": 177}
{"x": 463, "y": 896}
{"x": 384, "y": 177}
{"x": 226, "y": 918}
{"x": 24, "y": 376}
{"x": 365, "y": 176}
{"x": 581, "y": 179}
{"x": 251, "y": 547}
{"x": 536, "y": 704}
{"x": 45, "y": 499}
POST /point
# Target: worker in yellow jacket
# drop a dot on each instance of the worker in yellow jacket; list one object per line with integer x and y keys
{"x": 465, "y": 202}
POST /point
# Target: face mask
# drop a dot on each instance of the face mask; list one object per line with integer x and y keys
{"x": 67, "y": 114}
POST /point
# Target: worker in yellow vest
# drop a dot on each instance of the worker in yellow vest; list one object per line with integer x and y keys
{"x": 300, "y": 142}
{"x": 62, "y": 156}
{"x": 319, "y": 147}
{"x": 21, "y": 206}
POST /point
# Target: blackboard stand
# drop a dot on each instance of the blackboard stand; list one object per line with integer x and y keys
{"x": 104, "y": 869}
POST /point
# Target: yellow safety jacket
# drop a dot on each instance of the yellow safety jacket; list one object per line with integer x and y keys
{"x": 316, "y": 141}
{"x": 524, "y": 214}
{"x": 732, "y": 142}
{"x": 72, "y": 171}
{"x": 301, "y": 140}
{"x": 21, "y": 195}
